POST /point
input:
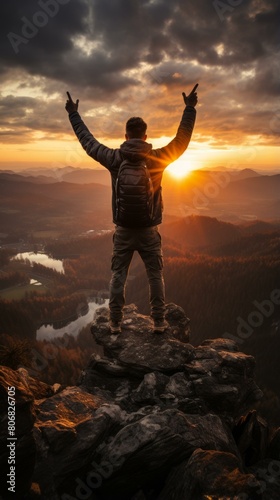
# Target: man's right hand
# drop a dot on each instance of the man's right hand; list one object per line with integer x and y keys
{"x": 70, "y": 105}
{"x": 191, "y": 99}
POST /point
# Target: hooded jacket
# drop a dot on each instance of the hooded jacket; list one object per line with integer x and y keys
{"x": 134, "y": 149}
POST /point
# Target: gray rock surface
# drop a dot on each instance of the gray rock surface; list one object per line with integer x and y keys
{"x": 147, "y": 448}
{"x": 213, "y": 377}
{"x": 152, "y": 418}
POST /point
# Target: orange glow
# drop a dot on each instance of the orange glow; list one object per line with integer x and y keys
{"x": 65, "y": 151}
{"x": 180, "y": 168}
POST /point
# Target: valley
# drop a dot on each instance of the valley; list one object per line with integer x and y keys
{"x": 220, "y": 260}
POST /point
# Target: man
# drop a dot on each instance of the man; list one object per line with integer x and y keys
{"x": 146, "y": 240}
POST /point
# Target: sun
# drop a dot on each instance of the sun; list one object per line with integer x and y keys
{"x": 180, "y": 168}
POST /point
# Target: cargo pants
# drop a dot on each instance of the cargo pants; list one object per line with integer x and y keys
{"x": 147, "y": 242}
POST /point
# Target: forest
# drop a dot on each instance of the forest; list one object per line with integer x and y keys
{"x": 227, "y": 290}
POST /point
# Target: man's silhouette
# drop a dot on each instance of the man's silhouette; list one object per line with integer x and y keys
{"x": 146, "y": 240}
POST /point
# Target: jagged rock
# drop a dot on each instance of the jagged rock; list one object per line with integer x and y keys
{"x": 210, "y": 474}
{"x": 144, "y": 451}
{"x": 274, "y": 445}
{"x": 251, "y": 435}
{"x": 221, "y": 344}
{"x": 178, "y": 322}
{"x": 39, "y": 389}
{"x": 150, "y": 389}
{"x": 213, "y": 377}
{"x": 69, "y": 426}
{"x": 24, "y": 442}
{"x": 108, "y": 379}
{"x": 165, "y": 355}
{"x": 131, "y": 428}
{"x": 223, "y": 379}
{"x": 138, "y": 348}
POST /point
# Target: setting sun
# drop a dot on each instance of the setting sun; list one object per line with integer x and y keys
{"x": 180, "y": 168}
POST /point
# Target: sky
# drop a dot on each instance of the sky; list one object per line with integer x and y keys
{"x": 124, "y": 58}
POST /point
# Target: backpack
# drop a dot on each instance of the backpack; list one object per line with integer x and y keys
{"x": 134, "y": 195}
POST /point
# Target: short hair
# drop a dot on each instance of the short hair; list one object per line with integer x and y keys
{"x": 136, "y": 127}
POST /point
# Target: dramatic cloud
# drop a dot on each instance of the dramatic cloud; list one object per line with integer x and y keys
{"x": 125, "y": 57}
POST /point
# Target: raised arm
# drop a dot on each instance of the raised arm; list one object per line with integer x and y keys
{"x": 179, "y": 144}
{"x": 92, "y": 146}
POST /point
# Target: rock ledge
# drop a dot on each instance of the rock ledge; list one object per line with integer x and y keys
{"x": 153, "y": 418}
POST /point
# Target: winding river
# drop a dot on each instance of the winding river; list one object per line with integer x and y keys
{"x": 48, "y": 332}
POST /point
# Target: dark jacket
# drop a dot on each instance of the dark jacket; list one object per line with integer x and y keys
{"x": 156, "y": 159}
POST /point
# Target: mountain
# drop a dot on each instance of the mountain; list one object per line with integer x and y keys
{"x": 26, "y": 194}
{"x": 66, "y": 174}
{"x": 246, "y": 173}
{"x": 195, "y": 232}
{"x": 262, "y": 187}
{"x": 57, "y": 208}
{"x": 87, "y": 175}
{"x": 223, "y": 195}
{"x": 56, "y": 172}
{"x": 49, "y": 203}
{"x": 38, "y": 179}
{"x": 259, "y": 226}
{"x": 243, "y": 173}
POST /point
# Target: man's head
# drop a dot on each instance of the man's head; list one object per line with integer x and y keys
{"x": 136, "y": 128}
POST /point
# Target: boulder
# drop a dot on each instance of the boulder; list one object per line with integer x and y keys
{"x": 69, "y": 427}
{"x": 39, "y": 389}
{"x": 18, "y": 445}
{"x": 145, "y": 451}
{"x": 251, "y": 436}
{"x": 213, "y": 377}
{"x": 140, "y": 350}
{"x": 151, "y": 417}
{"x": 210, "y": 474}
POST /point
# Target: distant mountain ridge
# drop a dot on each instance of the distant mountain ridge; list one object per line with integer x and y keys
{"x": 59, "y": 207}
{"x": 38, "y": 179}
{"x": 102, "y": 176}
{"x": 63, "y": 174}
{"x": 72, "y": 202}
{"x": 198, "y": 232}
{"x": 227, "y": 196}
{"x": 201, "y": 231}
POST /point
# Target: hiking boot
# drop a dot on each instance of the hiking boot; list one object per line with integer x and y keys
{"x": 115, "y": 327}
{"x": 160, "y": 325}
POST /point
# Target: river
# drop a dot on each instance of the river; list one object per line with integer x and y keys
{"x": 48, "y": 332}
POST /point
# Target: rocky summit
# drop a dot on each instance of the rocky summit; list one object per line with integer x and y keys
{"x": 151, "y": 418}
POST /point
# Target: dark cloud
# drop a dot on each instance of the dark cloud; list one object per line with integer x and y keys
{"x": 128, "y": 32}
{"x": 127, "y": 54}
{"x": 48, "y": 40}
